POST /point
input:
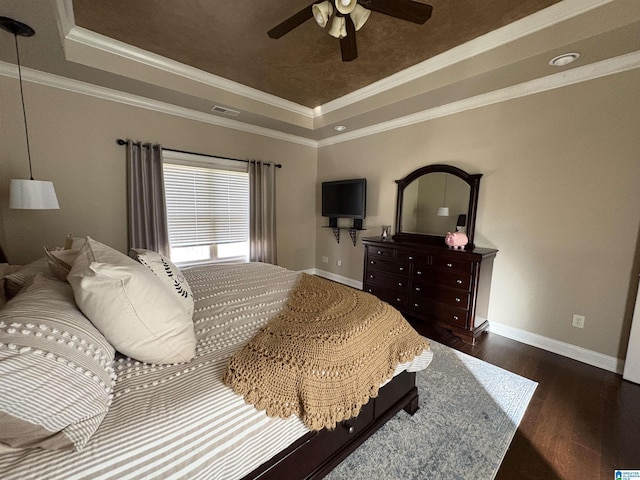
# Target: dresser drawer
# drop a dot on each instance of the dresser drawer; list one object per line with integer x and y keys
{"x": 446, "y": 263}
{"x": 453, "y": 279}
{"x": 377, "y": 264}
{"x": 381, "y": 251}
{"x": 397, "y": 299}
{"x": 439, "y": 312}
{"x": 454, "y": 297}
{"x": 387, "y": 280}
{"x": 411, "y": 257}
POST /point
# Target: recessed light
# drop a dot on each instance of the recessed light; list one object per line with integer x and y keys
{"x": 564, "y": 59}
{"x": 340, "y": 128}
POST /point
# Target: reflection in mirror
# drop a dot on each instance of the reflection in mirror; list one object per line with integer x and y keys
{"x": 434, "y": 189}
{"x": 428, "y": 193}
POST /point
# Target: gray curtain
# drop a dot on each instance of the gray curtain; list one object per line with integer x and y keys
{"x": 146, "y": 206}
{"x": 262, "y": 212}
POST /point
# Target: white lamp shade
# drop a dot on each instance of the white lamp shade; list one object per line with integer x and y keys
{"x": 321, "y": 12}
{"x": 32, "y": 195}
{"x": 338, "y": 27}
{"x": 443, "y": 211}
{"x": 360, "y": 15}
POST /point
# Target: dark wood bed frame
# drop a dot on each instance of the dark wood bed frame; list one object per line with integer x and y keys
{"x": 317, "y": 453}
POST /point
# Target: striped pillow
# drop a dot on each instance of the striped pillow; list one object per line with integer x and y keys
{"x": 56, "y": 370}
{"x": 14, "y": 282}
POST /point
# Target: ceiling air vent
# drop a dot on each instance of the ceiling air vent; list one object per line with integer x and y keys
{"x": 225, "y": 111}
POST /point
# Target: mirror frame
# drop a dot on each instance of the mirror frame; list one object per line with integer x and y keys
{"x": 472, "y": 180}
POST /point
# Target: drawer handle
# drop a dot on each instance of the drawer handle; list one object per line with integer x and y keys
{"x": 458, "y": 300}
{"x": 379, "y": 252}
{"x": 372, "y": 262}
{"x": 372, "y": 276}
{"x": 350, "y": 428}
{"x": 417, "y": 289}
{"x": 370, "y": 290}
{"x": 419, "y": 272}
{"x": 400, "y": 284}
{"x": 416, "y": 305}
{"x": 459, "y": 282}
{"x": 410, "y": 257}
{"x": 401, "y": 269}
{"x": 399, "y": 300}
{"x": 455, "y": 317}
{"x": 449, "y": 265}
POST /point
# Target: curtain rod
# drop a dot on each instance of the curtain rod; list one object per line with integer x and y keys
{"x": 120, "y": 141}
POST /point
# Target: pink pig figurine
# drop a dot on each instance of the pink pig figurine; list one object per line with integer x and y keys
{"x": 456, "y": 240}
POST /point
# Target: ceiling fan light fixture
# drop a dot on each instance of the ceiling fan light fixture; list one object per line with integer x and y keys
{"x": 360, "y": 15}
{"x": 322, "y": 12}
{"x": 338, "y": 27}
{"x": 346, "y": 6}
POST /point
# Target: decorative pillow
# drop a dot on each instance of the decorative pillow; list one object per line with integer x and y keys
{"x": 73, "y": 243}
{"x": 168, "y": 273}
{"x": 60, "y": 261}
{"x": 5, "y": 269}
{"x": 14, "y": 282}
{"x": 56, "y": 372}
{"x": 131, "y": 306}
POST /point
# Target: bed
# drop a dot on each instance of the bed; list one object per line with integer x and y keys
{"x": 181, "y": 421}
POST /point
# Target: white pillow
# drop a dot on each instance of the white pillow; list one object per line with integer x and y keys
{"x": 168, "y": 273}
{"x": 131, "y": 306}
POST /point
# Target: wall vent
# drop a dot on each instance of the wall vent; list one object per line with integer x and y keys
{"x": 225, "y": 111}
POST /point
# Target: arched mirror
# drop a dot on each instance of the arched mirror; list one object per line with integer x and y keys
{"x": 434, "y": 200}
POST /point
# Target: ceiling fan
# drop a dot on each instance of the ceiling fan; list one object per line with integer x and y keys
{"x": 349, "y": 16}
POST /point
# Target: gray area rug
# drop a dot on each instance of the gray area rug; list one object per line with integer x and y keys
{"x": 469, "y": 413}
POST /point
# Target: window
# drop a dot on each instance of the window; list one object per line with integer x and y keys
{"x": 207, "y": 209}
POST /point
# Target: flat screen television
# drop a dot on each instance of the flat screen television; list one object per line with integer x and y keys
{"x": 345, "y": 198}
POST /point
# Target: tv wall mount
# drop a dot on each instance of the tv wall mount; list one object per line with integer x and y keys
{"x": 353, "y": 230}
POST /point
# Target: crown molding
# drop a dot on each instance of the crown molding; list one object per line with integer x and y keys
{"x": 540, "y": 20}
{"x": 83, "y": 88}
{"x": 95, "y": 40}
{"x": 585, "y": 73}
{"x": 65, "y": 17}
{"x": 558, "y": 80}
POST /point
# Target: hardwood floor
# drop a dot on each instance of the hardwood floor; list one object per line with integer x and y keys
{"x": 582, "y": 423}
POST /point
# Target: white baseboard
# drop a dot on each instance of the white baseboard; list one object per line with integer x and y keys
{"x": 336, "y": 278}
{"x": 574, "y": 352}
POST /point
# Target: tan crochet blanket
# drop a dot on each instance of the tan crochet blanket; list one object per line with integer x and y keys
{"x": 324, "y": 355}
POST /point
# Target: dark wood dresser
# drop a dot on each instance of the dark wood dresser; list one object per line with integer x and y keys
{"x": 432, "y": 283}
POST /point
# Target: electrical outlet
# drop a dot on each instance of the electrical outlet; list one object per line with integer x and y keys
{"x": 578, "y": 321}
{"x": 339, "y": 263}
{"x": 325, "y": 259}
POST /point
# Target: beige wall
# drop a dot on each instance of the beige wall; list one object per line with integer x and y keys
{"x": 73, "y": 144}
{"x": 560, "y": 199}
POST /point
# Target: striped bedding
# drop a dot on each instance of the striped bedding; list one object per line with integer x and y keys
{"x": 180, "y": 421}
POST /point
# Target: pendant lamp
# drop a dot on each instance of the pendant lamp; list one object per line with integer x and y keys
{"x": 444, "y": 211}
{"x": 27, "y": 194}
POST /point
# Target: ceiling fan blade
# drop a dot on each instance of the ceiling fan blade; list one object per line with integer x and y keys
{"x": 348, "y": 45}
{"x": 404, "y": 9}
{"x": 291, "y": 22}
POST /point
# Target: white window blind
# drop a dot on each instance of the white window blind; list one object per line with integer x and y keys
{"x": 206, "y": 205}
